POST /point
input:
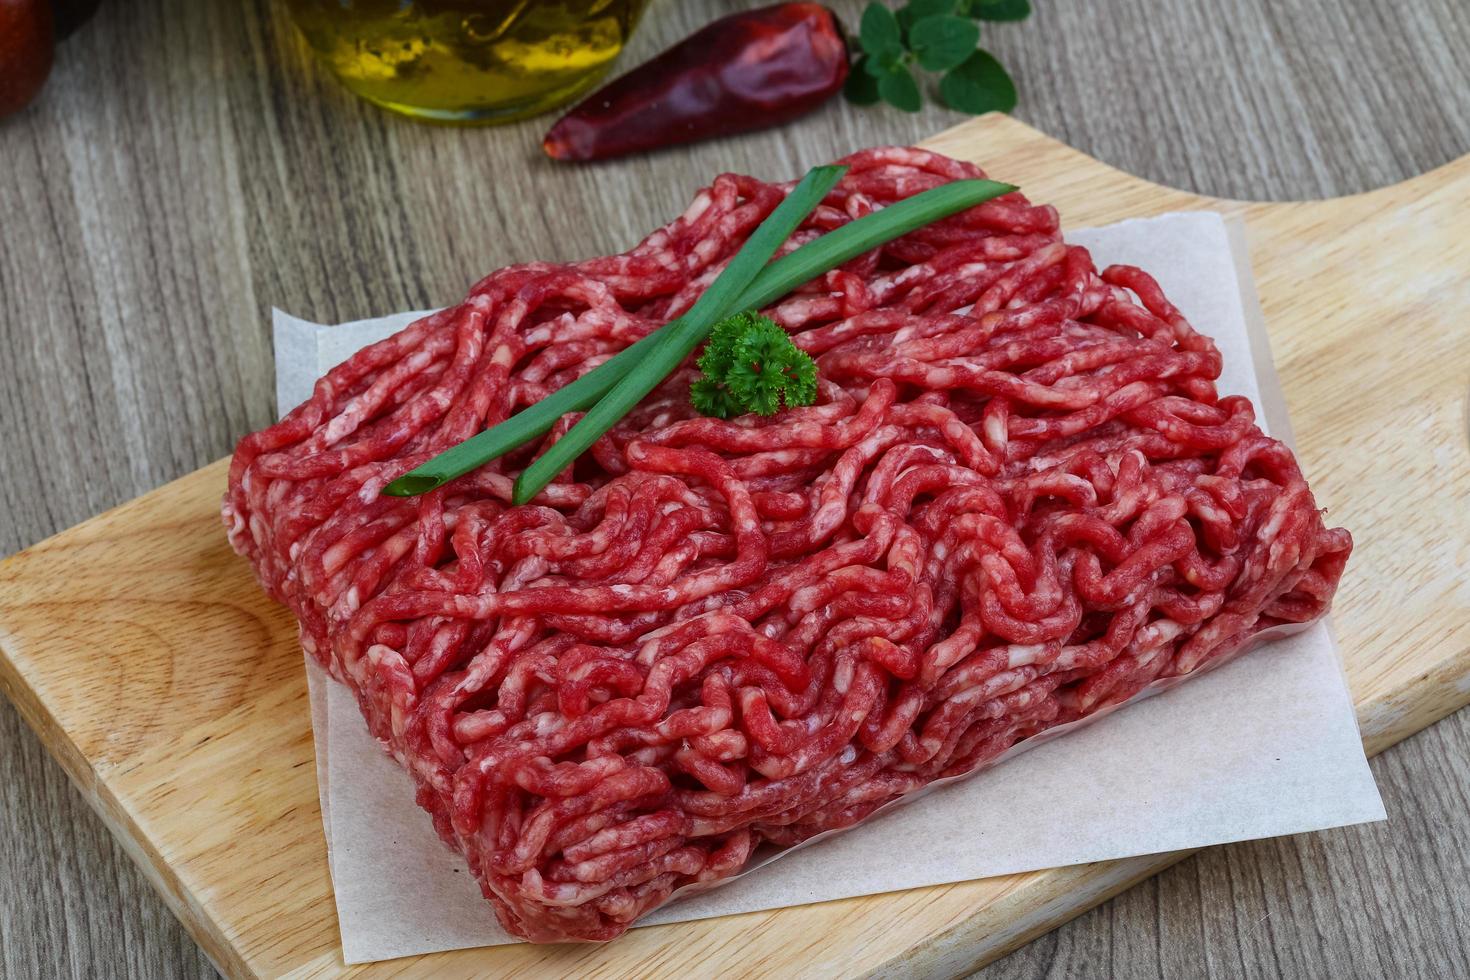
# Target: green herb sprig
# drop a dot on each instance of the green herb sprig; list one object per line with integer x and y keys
{"x": 686, "y": 333}
{"x": 939, "y": 36}
{"x": 728, "y": 293}
{"x": 750, "y": 366}
{"x": 665, "y": 348}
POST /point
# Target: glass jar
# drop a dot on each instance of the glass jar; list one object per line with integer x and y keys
{"x": 467, "y": 61}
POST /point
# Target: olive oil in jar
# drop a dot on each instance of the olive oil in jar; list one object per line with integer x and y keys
{"x": 467, "y": 61}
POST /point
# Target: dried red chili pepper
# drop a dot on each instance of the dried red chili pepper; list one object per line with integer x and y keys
{"x": 747, "y": 71}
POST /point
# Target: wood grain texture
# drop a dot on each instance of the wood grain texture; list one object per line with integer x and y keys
{"x": 188, "y": 168}
{"x": 175, "y": 700}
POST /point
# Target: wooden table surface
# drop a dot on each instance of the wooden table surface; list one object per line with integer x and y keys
{"x": 188, "y": 167}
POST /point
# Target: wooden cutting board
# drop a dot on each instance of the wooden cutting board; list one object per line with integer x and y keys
{"x": 172, "y": 691}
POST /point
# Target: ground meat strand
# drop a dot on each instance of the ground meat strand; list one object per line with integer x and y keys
{"x": 1018, "y": 500}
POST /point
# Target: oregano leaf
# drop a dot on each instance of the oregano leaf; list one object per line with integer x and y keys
{"x": 899, "y": 89}
{"x": 943, "y": 41}
{"x": 862, "y": 85}
{"x": 938, "y": 36}
{"x": 916, "y": 10}
{"x": 879, "y": 65}
{"x": 879, "y": 33}
{"x": 979, "y": 85}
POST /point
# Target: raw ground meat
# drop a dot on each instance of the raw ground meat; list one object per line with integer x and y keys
{"x": 713, "y": 635}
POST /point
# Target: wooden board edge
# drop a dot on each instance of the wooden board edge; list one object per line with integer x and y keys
{"x": 994, "y": 123}
{"x": 94, "y": 789}
{"x": 998, "y": 124}
{"x": 1418, "y": 701}
{"x": 179, "y": 486}
{"x": 979, "y": 941}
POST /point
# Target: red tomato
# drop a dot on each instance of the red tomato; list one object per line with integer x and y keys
{"x": 26, "y": 45}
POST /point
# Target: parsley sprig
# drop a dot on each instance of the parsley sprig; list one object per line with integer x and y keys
{"x": 751, "y": 365}
{"x": 939, "y": 36}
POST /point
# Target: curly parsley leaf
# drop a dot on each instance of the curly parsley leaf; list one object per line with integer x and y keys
{"x": 709, "y": 398}
{"x": 751, "y": 365}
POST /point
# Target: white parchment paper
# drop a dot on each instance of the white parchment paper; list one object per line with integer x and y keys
{"x": 1264, "y": 746}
